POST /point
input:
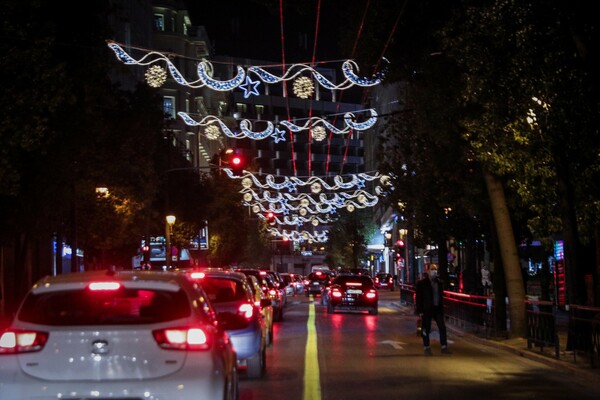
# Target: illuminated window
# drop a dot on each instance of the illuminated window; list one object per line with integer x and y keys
{"x": 159, "y": 22}
{"x": 169, "y": 107}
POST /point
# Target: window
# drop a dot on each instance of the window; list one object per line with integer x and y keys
{"x": 159, "y": 22}
{"x": 169, "y": 107}
{"x": 123, "y": 307}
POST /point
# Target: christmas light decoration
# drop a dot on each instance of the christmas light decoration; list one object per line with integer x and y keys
{"x": 299, "y": 236}
{"x": 250, "y": 87}
{"x": 156, "y": 76}
{"x": 292, "y": 182}
{"x": 303, "y": 87}
{"x": 315, "y": 123}
{"x": 212, "y": 132}
{"x": 319, "y": 133}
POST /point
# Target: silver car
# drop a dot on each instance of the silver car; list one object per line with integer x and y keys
{"x": 232, "y": 297}
{"x": 124, "y": 334}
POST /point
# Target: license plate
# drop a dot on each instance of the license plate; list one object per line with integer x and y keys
{"x": 354, "y": 291}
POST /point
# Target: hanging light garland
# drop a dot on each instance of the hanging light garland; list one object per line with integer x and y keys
{"x": 300, "y": 236}
{"x": 278, "y": 135}
{"x": 292, "y": 182}
{"x": 242, "y": 78}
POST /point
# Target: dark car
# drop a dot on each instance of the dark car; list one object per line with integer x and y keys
{"x": 315, "y": 282}
{"x": 384, "y": 281}
{"x": 354, "y": 293}
{"x": 270, "y": 288}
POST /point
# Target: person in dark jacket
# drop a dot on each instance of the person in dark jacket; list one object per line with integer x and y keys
{"x": 430, "y": 306}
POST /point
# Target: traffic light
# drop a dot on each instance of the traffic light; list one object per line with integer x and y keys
{"x": 236, "y": 163}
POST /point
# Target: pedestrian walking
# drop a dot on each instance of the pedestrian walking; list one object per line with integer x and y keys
{"x": 430, "y": 306}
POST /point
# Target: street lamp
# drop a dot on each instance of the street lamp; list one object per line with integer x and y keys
{"x": 170, "y": 220}
{"x": 403, "y": 236}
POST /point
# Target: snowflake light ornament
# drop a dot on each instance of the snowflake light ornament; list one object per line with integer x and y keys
{"x": 156, "y": 76}
{"x": 319, "y": 133}
{"x": 212, "y": 132}
{"x": 304, "y": 87}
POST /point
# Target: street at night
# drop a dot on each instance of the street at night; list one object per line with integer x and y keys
{"x": 380, "y": 357}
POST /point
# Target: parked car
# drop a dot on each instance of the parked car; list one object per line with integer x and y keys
{"x": 269, "y": 288}
{"x": 230, "y": 293}
{"x": 117, "y": 334}
{"x": 262, "y": 299}
{"x": 383, "y": 280}
{"x": 315, "y": 281}
{"x": 353, "y": 292}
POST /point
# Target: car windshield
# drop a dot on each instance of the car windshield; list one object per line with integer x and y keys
{"x": 222, "y": 290}
{"x": 118, "y": 307}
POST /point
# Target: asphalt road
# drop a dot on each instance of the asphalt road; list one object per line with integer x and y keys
{"x": 350, "y": 356}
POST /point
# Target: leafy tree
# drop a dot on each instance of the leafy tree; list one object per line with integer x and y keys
{"x": 531, "y": 87}
{"x": 348, "y": 239}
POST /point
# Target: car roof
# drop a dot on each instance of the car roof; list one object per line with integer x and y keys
{"x": 80, "y": 280}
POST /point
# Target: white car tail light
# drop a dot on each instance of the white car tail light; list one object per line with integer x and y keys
{"x": 22, "y": 341}
{"x": 182, "y": 338}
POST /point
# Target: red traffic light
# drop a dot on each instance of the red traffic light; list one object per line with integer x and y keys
{"x": 236, "y": 161}
{"x": 270, "y": 216}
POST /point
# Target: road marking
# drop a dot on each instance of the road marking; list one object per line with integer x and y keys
{"x": 312, "y": 383}
{"x": 394, "y": 343}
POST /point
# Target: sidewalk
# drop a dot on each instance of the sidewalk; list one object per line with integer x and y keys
{"x": 568, "y": 362}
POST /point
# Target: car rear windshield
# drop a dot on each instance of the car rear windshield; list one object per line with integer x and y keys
{"x": 365, "y": 280}
{"x": 222, "y": 290}
{"x": 119, "y": 307}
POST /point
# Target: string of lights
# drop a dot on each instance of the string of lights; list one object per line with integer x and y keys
{"x": 304, "y": 87}
{"x": 211, "y": 124}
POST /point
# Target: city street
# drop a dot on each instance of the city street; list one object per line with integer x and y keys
{"x": 358, "y": 356}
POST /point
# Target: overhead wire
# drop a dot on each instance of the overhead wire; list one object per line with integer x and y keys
{"x": 339, "y": 100}
{"x": 312, "y": 64}
{"x": 285, "y": 91}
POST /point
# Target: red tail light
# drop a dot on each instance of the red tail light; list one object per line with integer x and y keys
{"x": 273, "y": 292}
{"x": 371, "y": 294}
{"x": 22, "y": 341}
{"x": 336, "y": 293}
{"x": 247, "y": 310}
{"x": 182, "y": 338}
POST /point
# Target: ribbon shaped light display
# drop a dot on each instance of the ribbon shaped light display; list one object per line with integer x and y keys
{"x": 243, "y": 79}
{"x": 211, "y": 121}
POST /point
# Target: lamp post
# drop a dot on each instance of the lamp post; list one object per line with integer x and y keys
{"x": 388, "y": 245}
{"x": 170, "y": 220}
{"x": 404, "y": 236}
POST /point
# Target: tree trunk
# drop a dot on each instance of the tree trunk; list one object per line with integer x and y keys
{"x": 510, "y": 260}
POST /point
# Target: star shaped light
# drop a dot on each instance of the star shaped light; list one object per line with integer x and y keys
{"x": 278, "y": 135}
{"x": 250, "y": 87}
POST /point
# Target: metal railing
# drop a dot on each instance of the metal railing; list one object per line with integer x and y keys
{"x": 584, "y": 332}
{"x": 473, "y": 313}
{"x": 541, "y": 326}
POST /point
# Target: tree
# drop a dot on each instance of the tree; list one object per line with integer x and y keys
{"x": 348, "y": 238}
{"x": 528, "y": 63}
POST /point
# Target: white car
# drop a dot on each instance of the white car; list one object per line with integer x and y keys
{"x": 117, "y": 335}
